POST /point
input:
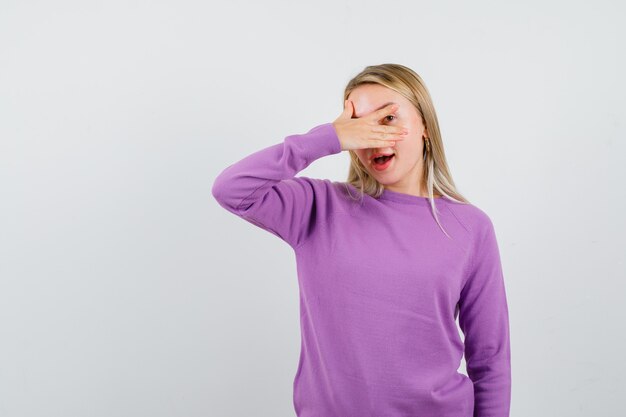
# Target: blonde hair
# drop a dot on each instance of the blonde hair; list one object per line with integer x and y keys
{"x": 436, "y": 174}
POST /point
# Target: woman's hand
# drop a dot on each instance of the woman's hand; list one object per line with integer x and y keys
{"x": 366, "y": 132}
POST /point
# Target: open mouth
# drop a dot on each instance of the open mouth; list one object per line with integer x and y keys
{"x": 381, "y": 160}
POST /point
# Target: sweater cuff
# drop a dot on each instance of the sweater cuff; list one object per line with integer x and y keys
{"x": 323, "y": 141}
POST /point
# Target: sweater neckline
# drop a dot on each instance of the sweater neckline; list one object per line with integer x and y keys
{"x": 407, "y": 198}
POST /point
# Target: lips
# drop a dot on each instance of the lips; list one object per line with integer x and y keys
{"x": 382, "y": 161}
{"x": 378, "y": 154}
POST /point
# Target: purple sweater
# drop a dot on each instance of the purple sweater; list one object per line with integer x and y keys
{"x": 381, "y": 287}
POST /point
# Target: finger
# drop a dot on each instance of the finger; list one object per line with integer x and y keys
{"x": 344, "y": 113}
{"x": 379, "y": 114}
{"x": 348, "y": 110}
{"x": 399, "y": 131}
{"x": 383, "y": 143}
{"x": 388, "y": 136}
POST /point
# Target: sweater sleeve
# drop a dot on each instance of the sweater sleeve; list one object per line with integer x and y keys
{"x": 484, "y": 320}
{"x": 263, "y": 190}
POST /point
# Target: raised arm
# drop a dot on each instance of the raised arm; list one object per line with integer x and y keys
{"x": 484, "y": 320}
{"x": 262, "y": 187}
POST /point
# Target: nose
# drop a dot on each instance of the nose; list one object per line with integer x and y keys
{"x": 384, "y": 150}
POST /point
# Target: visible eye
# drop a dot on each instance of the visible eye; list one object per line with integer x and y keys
{"x": 390, "y": 115}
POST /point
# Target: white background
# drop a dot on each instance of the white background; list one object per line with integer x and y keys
{"x": 126, "y": 290}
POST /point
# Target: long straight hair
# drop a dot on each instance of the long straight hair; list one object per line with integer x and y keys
{"x": 436, "y": 174}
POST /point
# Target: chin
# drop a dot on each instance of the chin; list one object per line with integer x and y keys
{"x": 387, "y": 179}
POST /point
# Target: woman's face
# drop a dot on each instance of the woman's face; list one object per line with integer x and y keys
{"x": 403, "y": 173}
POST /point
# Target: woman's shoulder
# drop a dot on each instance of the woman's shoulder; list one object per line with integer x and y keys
{"x": 472, "y": 217}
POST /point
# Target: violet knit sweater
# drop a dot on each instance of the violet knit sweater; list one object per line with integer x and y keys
{"x": 381, "y": 287}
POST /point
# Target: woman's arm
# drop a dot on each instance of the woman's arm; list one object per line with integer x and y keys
{"x": 262, "y": 187}
{"x": 484, "y": 320}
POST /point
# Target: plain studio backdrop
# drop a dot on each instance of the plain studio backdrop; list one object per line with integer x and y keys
{"x": 126, "y": 290}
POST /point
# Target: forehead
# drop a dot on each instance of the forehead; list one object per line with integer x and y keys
{"x": 371, "y": 97}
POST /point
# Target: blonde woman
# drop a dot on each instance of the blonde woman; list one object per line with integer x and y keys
{"x": 387, "y": 261}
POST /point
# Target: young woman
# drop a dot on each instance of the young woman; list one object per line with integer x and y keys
{"x": 386, "y": 261}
